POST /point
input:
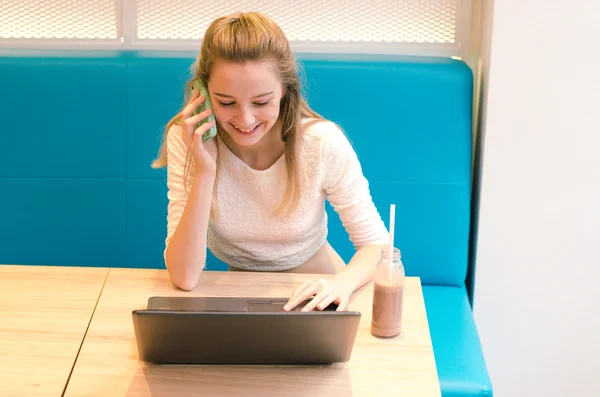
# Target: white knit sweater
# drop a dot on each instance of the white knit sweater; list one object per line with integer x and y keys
{"x": 246, "y": 236}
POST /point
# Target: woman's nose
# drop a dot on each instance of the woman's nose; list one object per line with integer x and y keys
{"x": 246, "y": 117}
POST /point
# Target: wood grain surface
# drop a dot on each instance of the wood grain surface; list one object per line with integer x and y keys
{"x": 44, "y": 314}
{"x": 108, "y": 364}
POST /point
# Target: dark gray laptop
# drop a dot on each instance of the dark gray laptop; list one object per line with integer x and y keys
{"x": 213, "y": 330}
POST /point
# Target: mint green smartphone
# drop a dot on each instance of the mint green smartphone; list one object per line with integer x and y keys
{"x": 212, "y": 132}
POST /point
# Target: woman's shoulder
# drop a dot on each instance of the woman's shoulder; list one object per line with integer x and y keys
{"x": 325, "y": 139}
{"x": 325, "y": 146}
{"x": 315, "y": 127}
{"x": 321, "y": 134}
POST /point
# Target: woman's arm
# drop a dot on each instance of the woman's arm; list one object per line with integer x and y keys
{"x": 340, "y": 287}
{"x": 348, "y": 192}
{"x": 190, "y": 198}
{"x": 361, "y": 268}
{"x": 185, "y": 254}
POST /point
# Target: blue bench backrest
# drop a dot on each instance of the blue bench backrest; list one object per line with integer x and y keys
{"x": 78, "y": 134}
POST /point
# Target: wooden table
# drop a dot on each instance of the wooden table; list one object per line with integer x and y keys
{"x": 108, "y": 364}
{"x": 44, "y": 314}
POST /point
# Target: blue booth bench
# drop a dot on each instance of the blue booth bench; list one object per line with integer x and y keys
{"x": 78, "y": 132}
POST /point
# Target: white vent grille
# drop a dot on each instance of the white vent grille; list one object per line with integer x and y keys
{"x": 59, "y": 19}
{"x": 414, "y": 27}
{"x": 390, "y": 21}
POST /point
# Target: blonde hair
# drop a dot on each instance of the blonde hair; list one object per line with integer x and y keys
{"x": 251, "y": 36}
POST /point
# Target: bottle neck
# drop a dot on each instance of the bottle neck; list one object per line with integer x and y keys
{"x": 385, "y": 254}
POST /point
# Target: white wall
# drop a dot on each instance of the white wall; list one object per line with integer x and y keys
{"x": 537, "y": 289}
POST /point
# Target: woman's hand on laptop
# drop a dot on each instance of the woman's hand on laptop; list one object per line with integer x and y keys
{"x": 324, "y": 293}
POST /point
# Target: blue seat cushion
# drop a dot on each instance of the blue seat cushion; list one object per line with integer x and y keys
{"x": 459, "y": 359}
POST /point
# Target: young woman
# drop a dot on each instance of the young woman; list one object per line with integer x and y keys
{"x": 255, "y": 194}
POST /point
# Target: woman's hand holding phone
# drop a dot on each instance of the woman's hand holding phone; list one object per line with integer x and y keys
{"x": 204, "y": 153}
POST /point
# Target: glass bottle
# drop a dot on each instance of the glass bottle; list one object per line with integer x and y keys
{"x": 388, "y": 295}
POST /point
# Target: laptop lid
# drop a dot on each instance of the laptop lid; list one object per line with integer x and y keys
{"x": 221, "y": 304}
{"x": 218, "y": 334}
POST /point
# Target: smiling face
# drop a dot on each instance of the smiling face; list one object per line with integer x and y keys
{"x": 246, "y": 100}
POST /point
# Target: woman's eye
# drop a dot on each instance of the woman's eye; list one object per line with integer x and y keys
{"x": 255, "y": 103}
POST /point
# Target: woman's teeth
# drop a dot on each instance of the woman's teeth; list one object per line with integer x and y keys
{"x": 246, "y": 130}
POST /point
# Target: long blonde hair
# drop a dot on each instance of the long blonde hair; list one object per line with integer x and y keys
{"x": 251, "y": 36}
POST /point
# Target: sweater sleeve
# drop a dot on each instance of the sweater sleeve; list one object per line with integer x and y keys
{"x": 348, "y": 192}
{"x": 176, "y": 193}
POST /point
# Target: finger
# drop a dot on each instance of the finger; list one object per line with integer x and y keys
{"x": 202, "y": 129}
{"x": 327, "y": 301}
{"x": 343, "y": 305}
{"x": 192, "y": 105}
{"x": 318, "y": 299}
{"x": 195, "y": 95}
{"x": 302, "y": 295}
{"x": 187, "y": 128}
{"x": 311, "y": 289}
{"x": 301, "y": 287}
{"x": 308, "y": 292}
{"x": 192, "y": 120}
